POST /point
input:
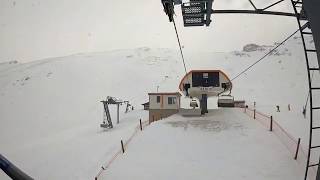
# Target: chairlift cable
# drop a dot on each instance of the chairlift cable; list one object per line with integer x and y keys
{"x": 245, "y": 70}
{"x": 175, "y": 28}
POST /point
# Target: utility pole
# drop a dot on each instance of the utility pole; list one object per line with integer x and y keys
{"x": 118, "y": 113}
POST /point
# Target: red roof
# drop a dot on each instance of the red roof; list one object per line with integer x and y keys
{"x": 190, "y": 72}
{"x": 165, "y": 93}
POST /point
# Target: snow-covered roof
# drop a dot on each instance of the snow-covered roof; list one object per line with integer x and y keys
{"x": 146, "y": 103}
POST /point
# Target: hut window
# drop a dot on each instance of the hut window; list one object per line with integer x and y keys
{"x": 205, "y": 75}
{"x": 158, "y": 99}
{"x": 171, "y": 100}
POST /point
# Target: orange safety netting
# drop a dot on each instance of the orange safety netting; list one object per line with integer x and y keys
{"x": 287, "y": 139}
{"x": 126, "y": 143}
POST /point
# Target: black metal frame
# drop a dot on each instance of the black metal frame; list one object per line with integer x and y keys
{"x": 300, "y": 17}
{"x": 11, "y": 170}
{"x": 168, "y": 5}
{"x": 255, "y": 10}
{"x": 258, "y": 11}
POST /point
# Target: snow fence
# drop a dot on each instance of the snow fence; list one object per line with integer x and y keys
{"x": 292, "y": 144}
{"x": 121, "y": 150}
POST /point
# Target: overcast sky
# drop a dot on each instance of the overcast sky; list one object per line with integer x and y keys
{"x": 34, "y": 29}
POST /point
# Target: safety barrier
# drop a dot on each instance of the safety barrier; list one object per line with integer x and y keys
{"x": 292, "y": 144}
{"x": 123, "y": 147}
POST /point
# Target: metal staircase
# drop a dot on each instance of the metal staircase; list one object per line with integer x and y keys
{"x": 313, "y": 154}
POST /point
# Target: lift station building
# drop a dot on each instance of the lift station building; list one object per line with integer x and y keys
{"x": 202, "y": 84}
{"x": 163, "y": 104}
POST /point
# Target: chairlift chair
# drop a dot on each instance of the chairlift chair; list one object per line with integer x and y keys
{"x": 226, "y": 101}
{"x": 193, "y": 103}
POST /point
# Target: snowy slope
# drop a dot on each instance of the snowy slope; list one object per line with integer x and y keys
{"x": 225, "y": 144}
{"x": 50, "y": 110}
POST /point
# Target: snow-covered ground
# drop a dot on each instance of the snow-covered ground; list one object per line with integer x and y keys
{"x": 50, "y": 110}
{"x": 225, "y": 144}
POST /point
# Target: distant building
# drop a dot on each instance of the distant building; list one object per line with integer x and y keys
{"x": 145, "y": 106}
{"x": 163, "y": 104}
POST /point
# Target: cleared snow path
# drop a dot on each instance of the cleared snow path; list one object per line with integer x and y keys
{"x": 225, "y": 144}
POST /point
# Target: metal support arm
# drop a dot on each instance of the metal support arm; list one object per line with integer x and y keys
{"x": 258, "y": 11}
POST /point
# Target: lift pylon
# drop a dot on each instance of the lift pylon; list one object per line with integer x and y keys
{"x": 106, "y": 123}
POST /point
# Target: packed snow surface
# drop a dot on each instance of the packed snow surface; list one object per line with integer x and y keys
{"x": 225, "y": 144}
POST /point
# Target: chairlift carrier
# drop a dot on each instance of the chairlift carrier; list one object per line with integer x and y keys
{"x": 225, "y": 101}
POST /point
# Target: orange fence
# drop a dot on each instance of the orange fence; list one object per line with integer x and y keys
{"x": 292, "y": 144}
{"x": 114, "y": 157}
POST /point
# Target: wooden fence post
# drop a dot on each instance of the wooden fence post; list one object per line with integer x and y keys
{"x": 122, "y": 147}
{"x": 254, "y": 114}
{"x": 271, "y": 123}
{"x": 297, "y": 150}
{"x": 140, "y": 125}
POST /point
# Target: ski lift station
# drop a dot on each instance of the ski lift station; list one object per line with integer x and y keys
{"x": 197, "y": 83}
{"x": 225, "y": 143}
{"x": 200, "y": 84}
